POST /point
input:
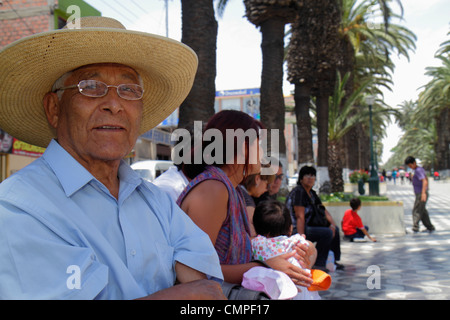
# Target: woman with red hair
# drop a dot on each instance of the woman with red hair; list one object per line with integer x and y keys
{"x": 213, "y": 201}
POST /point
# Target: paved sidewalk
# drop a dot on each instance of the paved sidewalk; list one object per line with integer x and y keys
{"x": 414, "y": 266}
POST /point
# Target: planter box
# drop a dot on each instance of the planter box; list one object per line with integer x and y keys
{"x": 382, "y": 217}
{"x": 353, "y": 188}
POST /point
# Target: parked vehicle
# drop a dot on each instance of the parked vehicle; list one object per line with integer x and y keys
{"x": 292, "y": 181}
{"x": 151, "y": 169}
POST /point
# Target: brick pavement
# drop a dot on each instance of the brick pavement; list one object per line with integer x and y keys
{"x": 414, "y": 266}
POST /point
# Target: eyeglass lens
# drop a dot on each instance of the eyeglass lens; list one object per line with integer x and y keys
{"x": 94, "y": 88}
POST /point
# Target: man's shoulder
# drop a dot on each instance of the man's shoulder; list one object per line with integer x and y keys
{"x": 420, "y": 172}
{"x": 27, "y": 181}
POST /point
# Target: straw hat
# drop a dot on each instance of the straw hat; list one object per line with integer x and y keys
{"x": 30, "y": 66}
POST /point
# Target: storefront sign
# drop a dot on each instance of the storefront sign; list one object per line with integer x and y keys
{"x": 24, "y": 149}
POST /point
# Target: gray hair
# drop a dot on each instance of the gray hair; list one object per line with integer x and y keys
{"x": 60, "y": 83}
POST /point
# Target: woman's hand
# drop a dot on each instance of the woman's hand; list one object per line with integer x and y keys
{"x": 298, "y": 275}
{"x": 306, "y": 254}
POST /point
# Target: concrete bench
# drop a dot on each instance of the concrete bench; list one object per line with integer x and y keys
{"x": 382, "y": 217}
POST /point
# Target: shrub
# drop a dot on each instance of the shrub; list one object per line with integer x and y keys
{"x": 356, "y": 175}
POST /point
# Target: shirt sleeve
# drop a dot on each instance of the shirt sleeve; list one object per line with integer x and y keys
{"x": 357, "y": 221}
{"x": 192, "y": 246}
{"x": 420, "y": 172}
{"x": 299, "y": 199}
{"x": 59, "y": 270}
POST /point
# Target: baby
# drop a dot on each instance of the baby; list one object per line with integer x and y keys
{"x": 273, "y": 225}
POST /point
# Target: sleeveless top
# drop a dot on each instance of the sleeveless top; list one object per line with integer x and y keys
{"x": 233, "y": 244}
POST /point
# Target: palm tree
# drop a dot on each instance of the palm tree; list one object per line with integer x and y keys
{"x": 434, "y": 101}
{"x": 425, "y": 122}
{"x": 311, "y": 68}
{"x": 418, "y": 139}
{"x": 199, "y": 31}
{"x": 271, "y": 17}
{"x": 343, "y": 117}
{"x": 345, "y": 114}
{"x": 365, "y": 52}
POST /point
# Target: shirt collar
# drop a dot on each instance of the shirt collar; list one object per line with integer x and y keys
{"x": 73, "y": 176}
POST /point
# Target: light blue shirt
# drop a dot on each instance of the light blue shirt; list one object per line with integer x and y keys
{"x": 64, "y": 236}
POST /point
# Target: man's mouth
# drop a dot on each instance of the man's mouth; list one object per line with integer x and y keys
{"x": 109, "y": 127}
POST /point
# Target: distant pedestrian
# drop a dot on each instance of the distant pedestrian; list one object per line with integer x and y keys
{"x": 420, "y": 185}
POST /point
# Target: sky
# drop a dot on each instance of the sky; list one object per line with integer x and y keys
{"x": 239, "y": 59}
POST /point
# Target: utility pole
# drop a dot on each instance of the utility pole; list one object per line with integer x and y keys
{"x": 167, "y": 17}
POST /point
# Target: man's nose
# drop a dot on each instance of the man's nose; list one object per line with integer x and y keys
{"x": 113, "y": 102}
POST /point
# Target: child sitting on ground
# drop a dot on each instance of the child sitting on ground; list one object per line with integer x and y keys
{"x": 352, "y": 225}
{"x": 273, "y": 225}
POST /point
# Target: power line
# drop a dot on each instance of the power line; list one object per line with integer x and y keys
{"x": 114, "y": 9}
{"x": 132, "y": 13}
{"x": 140, "y": 8}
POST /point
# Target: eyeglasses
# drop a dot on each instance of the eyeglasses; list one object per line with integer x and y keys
{"x": 279, "y": 176}
{"x": 309, "y": 176}
{"x": 98, "y": 89}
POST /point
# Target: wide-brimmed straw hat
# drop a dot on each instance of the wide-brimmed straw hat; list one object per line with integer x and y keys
{"x": 30, "y": 66}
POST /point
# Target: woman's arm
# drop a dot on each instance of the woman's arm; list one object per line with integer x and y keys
{"x": 234, "y": 273}
{"x": 331, "y": 221}
{"x": 207, "y": 206}
{"x": 300, "y": 216}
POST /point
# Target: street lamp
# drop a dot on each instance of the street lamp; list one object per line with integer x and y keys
{"x": 373, "y": 180}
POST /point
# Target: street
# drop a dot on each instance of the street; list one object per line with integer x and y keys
{"x": 413, "y": 266}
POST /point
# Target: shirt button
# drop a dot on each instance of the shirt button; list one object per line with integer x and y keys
{"x": 133, "y": 252}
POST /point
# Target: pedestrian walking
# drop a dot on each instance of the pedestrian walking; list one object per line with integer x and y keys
{"x": 420, "y": 185}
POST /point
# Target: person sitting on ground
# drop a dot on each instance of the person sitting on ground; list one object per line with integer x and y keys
{"x": 215, "y": 203}
{"x": 78, "y": 222}
{"x": 273, "y": 225}
{"x": 352, "y": 225}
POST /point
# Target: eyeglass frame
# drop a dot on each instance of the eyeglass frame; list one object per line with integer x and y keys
{"x": 107, "y": 89}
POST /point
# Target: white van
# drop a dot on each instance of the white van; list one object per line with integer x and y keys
{"x": 151, "y": 169}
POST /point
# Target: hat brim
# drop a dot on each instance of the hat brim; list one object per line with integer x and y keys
{"x": 30, "y": 66}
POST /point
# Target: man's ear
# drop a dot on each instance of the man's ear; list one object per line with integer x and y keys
{"x": 51, "y": 108}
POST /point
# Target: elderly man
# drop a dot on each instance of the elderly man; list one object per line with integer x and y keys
{"x": 78, "y": 223}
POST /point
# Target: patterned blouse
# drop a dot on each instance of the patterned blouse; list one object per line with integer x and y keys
{"x": 233, "y": 244}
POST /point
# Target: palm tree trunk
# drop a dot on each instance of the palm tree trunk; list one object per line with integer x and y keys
{"x": 335, "y": 168}
{"x": 322, "y": 130}
{"x": 302, "y": 102}
{"x": 443, "y": 140}
{"x": 199, "y": 31}
{"x": 272, "y": 101}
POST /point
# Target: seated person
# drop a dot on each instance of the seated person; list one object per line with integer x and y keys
{"x": 273, "y": 225}
{"x": 78, "y": 222}
{"x": 352, "y": 225}
{"x": 253, "y": 187}
{"x": 303, "y": 204}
